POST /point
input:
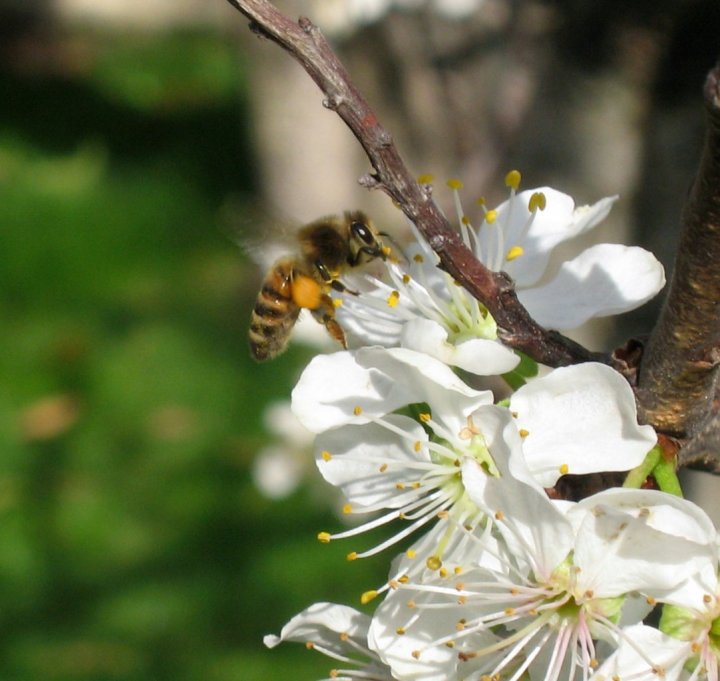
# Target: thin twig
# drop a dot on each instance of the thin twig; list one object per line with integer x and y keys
{"x": 495, "y": 290}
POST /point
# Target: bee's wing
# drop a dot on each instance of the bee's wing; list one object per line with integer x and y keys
{"x": 262, "y": 238}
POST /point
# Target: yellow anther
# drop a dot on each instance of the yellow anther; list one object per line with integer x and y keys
{"x": 450, "y": 644}
{"x": 347, "y": 508}
{"x": 425, "y": 417}
{"x": 443, "y": 572}
{"x": 417, "y": 446}
{"x": 460, "y": 586}
{"x": 433, "y": 563}
{"x": 564, "y": 469}
{"x": 400, "y": 485}
{"x": 523, "y": 432}
{"x": 509, "y": 611}
{"x": 326, "y": 456}
{"x": 309, "y": 645}
{"x": 357, "y": 410}
{"x": 651, "y": 601}
{"x": 514, "y": 252}
{"x": 368, "y": 596}
{"x": 400, "y": 631}
{"x": 457, "y": 570}
{"x": 499, "y": 515}
{"x": 490, "y": 216}
{"x": 465, "y": 220}
{"x": 383, "y": 468}
{"x": 416, "y": 654}
{"x": 481, "y": 201}
{"x": 454, "y": 183}
{"x": 406, "y": 279}
{"x": 344, "y": 636}
{"x": 324, "y": 537}
{"x": 352, "y": 555}
{"x": 418, "y": 258}
{"x": 461, "y": 600}
{"x": 425, "y": 179}
{"x": 393, "y": 299}
{"x": 537, "y": 202}
{"x": 337, "y": 302}
{"x": 512, "y": 179}
{"x": 410, "y": 553}
{"x": 404, "y": 579}
{"x": 387, "y": 251}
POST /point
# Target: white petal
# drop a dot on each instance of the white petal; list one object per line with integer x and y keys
{"x": 559, "y": 222}
{"x": 693, "y": 592}
{"x": 332, "y": 386}
{"x": 478, "y": 355}
{"x": 620, "y": 551}
{"x": 412, "y": 655}
{"x": 426, "y": 379}
{"x": 665, "y": 512}
{"x": 663, "y": 652}
{"x": 347, "y": 387}
{"x": 603, "y": 280}
{"x": 580, "y": 419}
{"x": 536, "y": 530}
{"x": 322, "y": 622}
{"x": 368, "y": 462}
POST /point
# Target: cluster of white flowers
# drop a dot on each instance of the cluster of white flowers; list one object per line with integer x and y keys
{"x": 498, "y": 579}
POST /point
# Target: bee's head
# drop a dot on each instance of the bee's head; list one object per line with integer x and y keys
{"x": 365, "y": 244}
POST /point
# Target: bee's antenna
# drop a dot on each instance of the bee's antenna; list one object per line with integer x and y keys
{"x": 394, "y": 243}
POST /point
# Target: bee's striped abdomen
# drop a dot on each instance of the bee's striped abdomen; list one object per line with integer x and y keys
{"x": 275, "y": 313}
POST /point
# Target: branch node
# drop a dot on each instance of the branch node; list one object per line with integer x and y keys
{"x": 385, "y": 138}
{"x": 370, "y": 181}
{"x": 332, "y": 103}
{"x": 438, "y": 242}
{"x": 259, "y": 30}
{"x": 306, "y": 25}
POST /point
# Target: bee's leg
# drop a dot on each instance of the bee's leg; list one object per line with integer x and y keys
{"x": 336, "y": 284}
{"x": 325, "y": 314}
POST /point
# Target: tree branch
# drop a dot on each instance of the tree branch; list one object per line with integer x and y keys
{"x": 679, "y": 370}
{"x": 495, "y": 290}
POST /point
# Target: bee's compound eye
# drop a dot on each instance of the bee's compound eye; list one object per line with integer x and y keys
{"x": 361, "y": 231}
{"x": 306, "y": 292}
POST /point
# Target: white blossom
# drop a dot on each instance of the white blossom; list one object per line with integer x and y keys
{"x": 409, "y": 466}
{"x": 565, "y": 575}
{"x": 519, "y": 236}
{"x": 420, "y": 307}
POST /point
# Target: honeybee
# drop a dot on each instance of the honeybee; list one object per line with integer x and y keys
{"x": 326, "y": 248}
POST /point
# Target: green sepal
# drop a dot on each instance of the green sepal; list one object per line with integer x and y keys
{"x": 527, "y": 368}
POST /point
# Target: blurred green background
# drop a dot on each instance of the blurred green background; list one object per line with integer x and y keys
{"x": 133, "y": 543}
